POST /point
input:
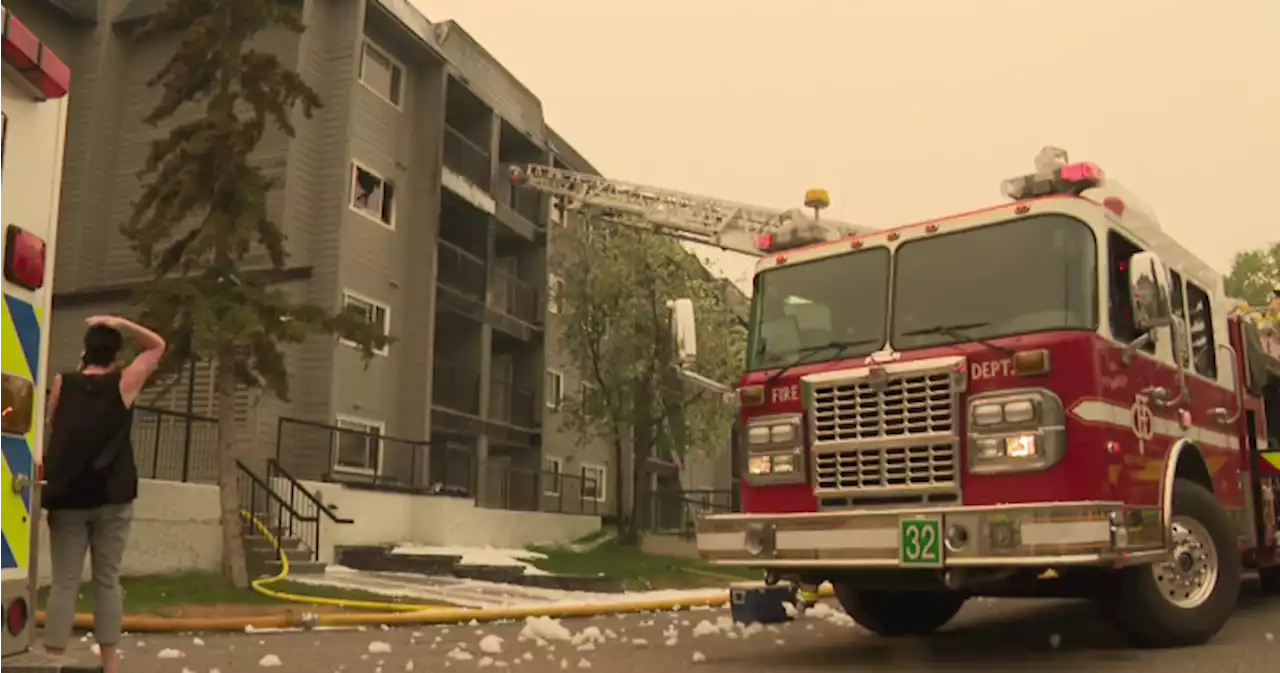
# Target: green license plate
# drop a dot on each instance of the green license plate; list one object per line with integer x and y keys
{"x": 920, "y": 542}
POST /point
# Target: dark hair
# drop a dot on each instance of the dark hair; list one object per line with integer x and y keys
{"x": 101, "y": 346}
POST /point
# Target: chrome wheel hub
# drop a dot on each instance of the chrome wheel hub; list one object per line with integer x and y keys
{"x": 1190, "y": 576}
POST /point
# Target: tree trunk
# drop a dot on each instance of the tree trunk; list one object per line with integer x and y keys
{"x": 233, "y": 559}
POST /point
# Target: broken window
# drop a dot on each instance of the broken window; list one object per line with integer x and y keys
{"x": 372, "y": 195}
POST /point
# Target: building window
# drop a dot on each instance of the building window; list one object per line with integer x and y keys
{"x": 357, "y": 445}
{"x": 593, "y": 482}
{"x": 382, "y": 74}
{"x": 553, "y": 391}
{"x": 551, "y": 468}
{"x": 555, "y": 285}
{"x": 372, "y": 195}
{"x": 377, "y": 314}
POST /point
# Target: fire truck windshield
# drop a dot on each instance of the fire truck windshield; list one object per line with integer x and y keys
{"x": 804, "y": 310}
{"x": 1027, "y": 275}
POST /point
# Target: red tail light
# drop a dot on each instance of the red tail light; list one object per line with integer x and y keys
{"x": 24, "y": 257}
{"x": 15, "y": 617}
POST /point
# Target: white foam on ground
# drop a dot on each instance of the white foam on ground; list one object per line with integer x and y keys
{"x": 479, "y": 594}
{"x": 481, "y": 556}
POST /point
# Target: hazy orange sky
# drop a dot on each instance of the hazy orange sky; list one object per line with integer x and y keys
{"x": 908, "y": 110}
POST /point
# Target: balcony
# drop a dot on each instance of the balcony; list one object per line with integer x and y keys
{"x": 519, "y": 210}
{"x": 514, "y": 297}
{"x": 513, "y": 405}
{"x": 468, "y": 159}
{"x": 461, "y": 271}
{"x": 456, "y": 388}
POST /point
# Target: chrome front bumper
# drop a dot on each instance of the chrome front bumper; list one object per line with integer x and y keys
{"x": 1040, "y": 535}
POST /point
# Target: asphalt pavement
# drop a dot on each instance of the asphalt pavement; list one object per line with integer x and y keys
{"x": 989, "y": 635}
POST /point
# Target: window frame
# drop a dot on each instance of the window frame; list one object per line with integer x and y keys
{"x": 356, "y": 167}
{"x": 1122, "y": 285}
{"x": 1211, "y": 339}
{"x": 386, "y": 321}
{"x": 559, "y": 396}
{"x": 381, "y": 426}
{"x": 601, "y": 483}
{"x": 394, "y": 97}
{"x": 554, "y": 490}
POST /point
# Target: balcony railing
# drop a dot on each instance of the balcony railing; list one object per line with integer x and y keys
{"x": 318, "y": 452}
{"x": 512, "y": 404}
{"x": 464, "y": 157}
{"x": 461, "y": 271}
{"x": 456, "y": 387}
{"x": 514, "y": 297}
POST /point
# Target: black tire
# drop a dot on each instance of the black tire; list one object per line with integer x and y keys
{"x": 1148, "y": 616}
{"x": 899, "y": 613}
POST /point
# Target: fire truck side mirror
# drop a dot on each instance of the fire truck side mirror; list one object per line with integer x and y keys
{"x": 1149, "y": 292}
{"x": 684, "y": 330}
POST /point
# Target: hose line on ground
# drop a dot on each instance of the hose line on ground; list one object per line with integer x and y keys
{"x": 392, "y": 614}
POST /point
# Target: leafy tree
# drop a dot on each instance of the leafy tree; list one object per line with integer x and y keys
{"x": 615, "y": 330}
{"x": 1253, "y": 273}
{"x": 203, "y": 213}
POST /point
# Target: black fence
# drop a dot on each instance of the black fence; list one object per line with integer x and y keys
{"x": 513, "y": 404}
{"x": 366, "y": 458}
{"x": 514, "y": 297}
{"x": 679, "y": 512}
{"x": 520, "y": 489}
{"x": 462, "y": 271}
{"x": 466, "y": 158}
{"x": 175, "y": 446}
{"x": 455, "y": 387}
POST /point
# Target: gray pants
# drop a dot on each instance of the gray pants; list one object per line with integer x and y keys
{"x": 104, "y": 533}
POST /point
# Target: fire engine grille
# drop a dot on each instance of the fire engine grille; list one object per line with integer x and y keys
{"x": 893, "y": 467}
{"x": 916, "y": 404}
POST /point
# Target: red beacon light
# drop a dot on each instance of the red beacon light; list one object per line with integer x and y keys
{"x": 1054, "y": 175}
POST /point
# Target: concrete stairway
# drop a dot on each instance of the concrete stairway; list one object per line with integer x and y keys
{"x": 262, "y": 560}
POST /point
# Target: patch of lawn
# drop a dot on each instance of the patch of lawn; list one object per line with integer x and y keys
{"x": 638, "y": 571}
{"x": 159, "y": 594}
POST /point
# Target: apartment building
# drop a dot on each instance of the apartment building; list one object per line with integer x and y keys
{"x": 394, "y": 198}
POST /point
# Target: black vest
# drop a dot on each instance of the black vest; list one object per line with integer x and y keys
{"x": 89, "y": 459}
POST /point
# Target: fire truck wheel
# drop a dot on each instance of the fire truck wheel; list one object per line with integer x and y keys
{"x": 899, "y": 613}
{"x": 1188, "y": 599}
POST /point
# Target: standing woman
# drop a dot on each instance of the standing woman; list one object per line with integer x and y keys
{"x": 92, "y": 480}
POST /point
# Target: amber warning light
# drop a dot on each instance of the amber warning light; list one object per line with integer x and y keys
{"x": 24, "y": 257}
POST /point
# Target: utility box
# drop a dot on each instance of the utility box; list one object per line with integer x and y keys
{"x": 756, "y": 602}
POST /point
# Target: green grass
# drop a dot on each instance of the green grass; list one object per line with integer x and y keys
{"x": 638, "y": 571}
{"x": 157, "y": 594}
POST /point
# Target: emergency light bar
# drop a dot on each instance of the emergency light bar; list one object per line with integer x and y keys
{"x": 1054, "y": 175}
{"x": 40, "y": 67}
{"x": 798, "y": 235}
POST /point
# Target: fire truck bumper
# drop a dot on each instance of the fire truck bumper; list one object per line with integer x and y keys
{"x": 1057, "y": 534}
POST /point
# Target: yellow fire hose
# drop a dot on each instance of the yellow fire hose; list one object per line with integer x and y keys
{"x": 388, "y": 614}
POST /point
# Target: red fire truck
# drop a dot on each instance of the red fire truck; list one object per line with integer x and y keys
{"x": 1043, "y": 398}
{"x": 1046, "y": 397}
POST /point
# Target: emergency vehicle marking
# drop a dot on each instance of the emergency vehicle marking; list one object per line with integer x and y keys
{"x": 20, "y": 327}
{"x": 1143, "y": 420}
{"x": 993, "y": 369}
{"x": 785, "y": 394}
{"x": 1101, "y": 412}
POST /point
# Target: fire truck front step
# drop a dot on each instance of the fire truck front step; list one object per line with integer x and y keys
{"x": 34, "y": 661}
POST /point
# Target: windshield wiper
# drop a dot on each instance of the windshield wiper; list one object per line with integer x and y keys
{"x": 806, "y": 351}
{"x": 958, "y": 332}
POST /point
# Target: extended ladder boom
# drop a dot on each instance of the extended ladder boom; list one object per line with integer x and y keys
{"x": 700, "y": 219}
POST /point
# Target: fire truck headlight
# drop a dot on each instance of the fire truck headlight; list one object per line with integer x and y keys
{"x": 759, "y": 465}
{"x": 1021, "y": 431}
{"x": 774, "y": 450}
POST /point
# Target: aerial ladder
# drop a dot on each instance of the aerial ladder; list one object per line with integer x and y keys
{"x": 737, "y": 227}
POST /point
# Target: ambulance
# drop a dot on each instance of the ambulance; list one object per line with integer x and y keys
{"x": 36, "y": 83}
